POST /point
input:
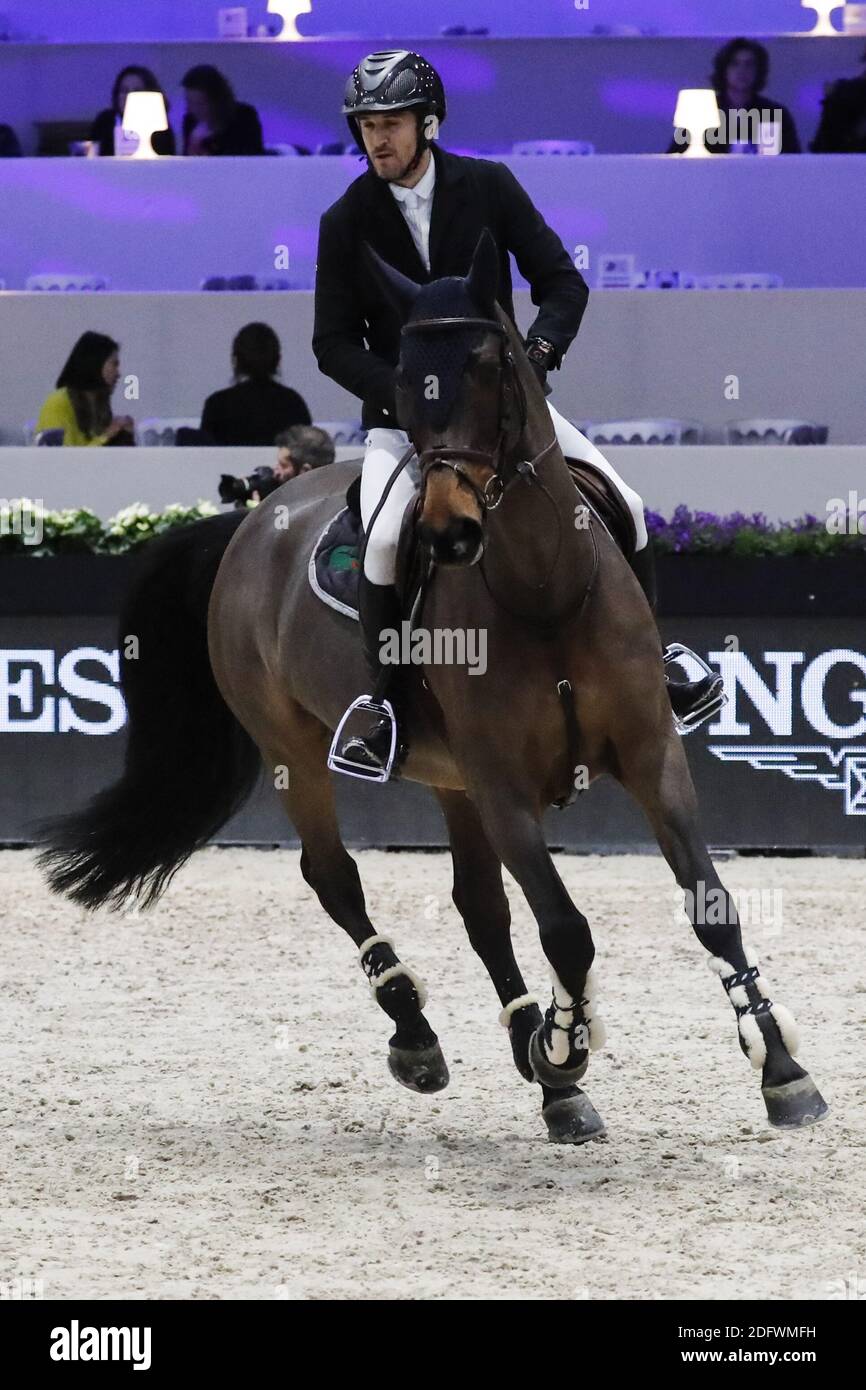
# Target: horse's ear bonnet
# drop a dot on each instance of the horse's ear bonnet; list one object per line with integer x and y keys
{"x": 433, "y": 364}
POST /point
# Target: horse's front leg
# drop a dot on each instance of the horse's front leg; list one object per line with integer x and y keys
{"x": 559, "y": 1047}
{"x": 414, "y": 1056}
{"x": 479, "y": 897}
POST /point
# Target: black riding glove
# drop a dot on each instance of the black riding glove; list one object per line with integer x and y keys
{"x": 542, "y": 356}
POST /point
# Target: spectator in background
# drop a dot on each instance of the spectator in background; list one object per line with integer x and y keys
{"x": 129, "y": 79}
{"x": 81, "y": 405}
{"x": 301, "y": 449}
{"x": 256, "y": 408}
{"x": 740, "y": 72}
{"x": 843, "y": 117}
{"x": 10, "y": 146}
{"x": 216, "y": 123}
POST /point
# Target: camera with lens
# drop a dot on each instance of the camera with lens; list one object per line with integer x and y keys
{"x": 240, "y": 490}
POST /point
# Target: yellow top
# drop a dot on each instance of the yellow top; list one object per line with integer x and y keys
{"x": 57, "y": 413}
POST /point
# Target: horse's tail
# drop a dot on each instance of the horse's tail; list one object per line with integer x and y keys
{"x": 189, "y": 763}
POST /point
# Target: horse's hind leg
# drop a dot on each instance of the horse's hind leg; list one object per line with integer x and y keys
{"x": 656, "y": 772}
{"x": 415, "y": 1058}
{"x": 480, "y": 898}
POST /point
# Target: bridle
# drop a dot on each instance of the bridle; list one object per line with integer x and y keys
{"x": 454, "y": 458}
{"x": 511, "y": 394}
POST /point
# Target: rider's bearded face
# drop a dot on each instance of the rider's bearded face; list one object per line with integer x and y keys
{"x": 390, "y": 139}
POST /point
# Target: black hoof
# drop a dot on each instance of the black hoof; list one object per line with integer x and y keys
{"x": 421, "y": 1069}
{"x": 795, "y": 1104}
{"x": 572, "y": 1120}
{"x": 546, "y": 1072}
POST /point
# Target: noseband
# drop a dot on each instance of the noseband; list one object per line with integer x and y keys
{"x": 444, "y": 456}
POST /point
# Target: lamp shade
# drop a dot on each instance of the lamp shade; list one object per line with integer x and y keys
{"x": 697, "y": 108}
{"x": 823, "y": 9}
{"x": 144, "y": 114}
{"x": 288, "y": 10}
{"x": 697, "y": 111}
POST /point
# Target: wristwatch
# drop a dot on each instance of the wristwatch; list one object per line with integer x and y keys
{"x": 541, "y": 353}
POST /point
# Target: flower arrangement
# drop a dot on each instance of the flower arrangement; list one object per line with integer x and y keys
{"x": 27, "y": 528}
{"x": 749, "y": 537}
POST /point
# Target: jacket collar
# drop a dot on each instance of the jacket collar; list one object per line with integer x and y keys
{"x": 448, "y": 198}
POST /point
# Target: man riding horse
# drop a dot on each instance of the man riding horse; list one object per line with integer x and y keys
{"x": 423, "y": 209}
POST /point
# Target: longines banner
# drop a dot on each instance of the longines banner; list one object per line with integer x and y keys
{"x": 784, "y": 765}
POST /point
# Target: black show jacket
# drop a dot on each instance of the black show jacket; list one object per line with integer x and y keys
{"x": 468, "y": 195}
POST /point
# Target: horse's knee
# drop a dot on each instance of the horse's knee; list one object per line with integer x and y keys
{"x": 567, "y": 943}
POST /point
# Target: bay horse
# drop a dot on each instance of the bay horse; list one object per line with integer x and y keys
{"x": 240, "y": 663}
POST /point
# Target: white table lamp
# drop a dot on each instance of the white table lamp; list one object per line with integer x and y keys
{"x": 288, "y": 10}
{"x": 143, "y": 115}
{"x": 823, "y": 9}
{"x": 697, "y": 112}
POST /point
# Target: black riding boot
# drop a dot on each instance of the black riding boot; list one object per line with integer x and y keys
{"x": 691, "y": 701}
{"x": 379, "y": 609}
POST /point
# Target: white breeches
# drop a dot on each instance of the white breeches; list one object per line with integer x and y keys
{"x": 384, "y": 449}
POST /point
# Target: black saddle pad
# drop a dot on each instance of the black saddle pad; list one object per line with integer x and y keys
{"x": 335, "y": 564}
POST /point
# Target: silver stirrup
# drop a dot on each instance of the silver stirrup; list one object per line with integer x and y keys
{"x": 707, "y": 707}
{"x": 337, "y": 763}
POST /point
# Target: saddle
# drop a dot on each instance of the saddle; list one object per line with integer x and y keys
{"x": 334, "y": 569}
{"x": 602, "y": 497}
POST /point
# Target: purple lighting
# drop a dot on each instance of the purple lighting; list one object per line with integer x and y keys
{"x": 636, "y": 97}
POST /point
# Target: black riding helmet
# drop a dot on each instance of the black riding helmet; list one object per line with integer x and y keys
{"x": 394, "y": 80}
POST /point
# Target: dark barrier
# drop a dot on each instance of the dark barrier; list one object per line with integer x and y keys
{"x": 784, "y": 765}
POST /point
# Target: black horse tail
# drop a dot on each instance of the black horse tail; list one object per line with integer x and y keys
{"x": 189, "y": 763}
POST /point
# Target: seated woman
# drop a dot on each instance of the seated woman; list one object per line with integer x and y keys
{"x": 740, "y": 72}
{"x": 256, "y": 408}
{"x": 81, "y": 405}
{"x": 129, "y": 79}
{"x": 216, "y": 123}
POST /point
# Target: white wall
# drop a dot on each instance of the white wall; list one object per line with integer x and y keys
{"x": 795, "y": 353}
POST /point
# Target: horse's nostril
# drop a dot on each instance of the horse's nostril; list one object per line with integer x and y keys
{"x": 457, "y": 543}
{"x": 460, "y": 543}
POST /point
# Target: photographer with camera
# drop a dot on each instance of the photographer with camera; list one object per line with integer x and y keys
{"x": 299, "y": 449}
